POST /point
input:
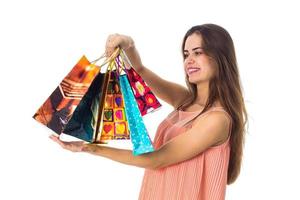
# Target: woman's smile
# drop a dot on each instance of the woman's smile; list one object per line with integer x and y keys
{"x": 192, "y": 70}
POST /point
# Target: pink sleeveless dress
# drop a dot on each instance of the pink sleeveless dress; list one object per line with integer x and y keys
{"x": 203, "y": 177}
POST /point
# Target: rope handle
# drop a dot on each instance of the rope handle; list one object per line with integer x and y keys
{"x": 107, "y": 60}
{"x": 117, "y": 59}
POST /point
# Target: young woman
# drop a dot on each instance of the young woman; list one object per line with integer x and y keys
{"x": 198, "y": 147}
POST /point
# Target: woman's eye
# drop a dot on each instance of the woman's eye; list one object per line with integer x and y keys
{"x": 185, "y": 56}
{"x": 198, "y": 52}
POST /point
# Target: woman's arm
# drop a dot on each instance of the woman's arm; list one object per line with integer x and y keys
{"x": 172, "y": 93}
{"x": 209, "y": 130}
{"x": 119, "y": 155}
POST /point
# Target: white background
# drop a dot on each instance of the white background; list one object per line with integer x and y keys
{"x": 40, "y": 41}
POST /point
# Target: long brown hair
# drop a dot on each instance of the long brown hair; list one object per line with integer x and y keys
{"x": 225, "y": 86}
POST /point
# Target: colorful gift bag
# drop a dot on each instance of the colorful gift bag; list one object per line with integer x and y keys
{"x": 84, "y": 123}
{"x": 146, "y": 100}
{"x": 58, "y": 109}
{"x": 138, "y": 133}
{"x": 115, "y": 125}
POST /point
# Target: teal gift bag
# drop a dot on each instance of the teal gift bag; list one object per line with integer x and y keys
{"x": 138, "y": 133}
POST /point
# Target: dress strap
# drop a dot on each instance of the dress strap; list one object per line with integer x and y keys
{"x": 218, "y": 108}
{"x": 222, "y": 110}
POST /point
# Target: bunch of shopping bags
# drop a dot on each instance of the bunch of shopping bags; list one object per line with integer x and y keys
{"x": 98, "y": 103}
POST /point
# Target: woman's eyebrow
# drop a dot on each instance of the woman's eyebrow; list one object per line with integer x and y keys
{"x": 193, "y": 49}
{"x": 197, "y": 48}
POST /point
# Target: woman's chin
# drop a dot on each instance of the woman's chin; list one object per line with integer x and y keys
{"x": 197, "y": 81}
{"x": 194, "y": 80}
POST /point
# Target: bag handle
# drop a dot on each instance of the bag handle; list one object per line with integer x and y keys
{"x": 117, "y": 59}
{"x": 107, "y": 60}
{"x": 125, "y": 58}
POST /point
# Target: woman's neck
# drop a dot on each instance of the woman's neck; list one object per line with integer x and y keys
{"x": 203, "y": 94}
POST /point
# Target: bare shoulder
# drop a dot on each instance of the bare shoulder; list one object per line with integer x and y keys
{"x": 217, "y": 116}
{"x": 216, "y": 122}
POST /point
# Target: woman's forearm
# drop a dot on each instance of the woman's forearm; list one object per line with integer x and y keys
{"x": 134, "y": 57}
{"x": 122, "y": 155}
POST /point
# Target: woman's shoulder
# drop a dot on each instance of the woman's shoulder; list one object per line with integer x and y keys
{"x": 215, "y": 121}
{"x": 219, "y": 111}
{"x": 216, "y": 115}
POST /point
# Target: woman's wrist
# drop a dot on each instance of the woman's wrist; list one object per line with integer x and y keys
{"x": 135, "y": 59}
{"x": 89, "y": 148}
{"x": 129, "y": 46}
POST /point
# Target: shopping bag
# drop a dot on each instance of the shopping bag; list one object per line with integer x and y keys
{"x": 138, "y": 132}
{"x": 146, "y": 100}
{"x": 115, "y": 125}
{"x": 59, "y": 107}
{"x": 85, "y": 122}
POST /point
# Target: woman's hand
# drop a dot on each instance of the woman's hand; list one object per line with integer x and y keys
{"x": 116, "y": 40}
{"x": 120, "y": 155}
{"x": 127, "y": 44}
{"x": 77, "y": 146}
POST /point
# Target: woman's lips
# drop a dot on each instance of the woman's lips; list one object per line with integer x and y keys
{"x": 192, "y": 70}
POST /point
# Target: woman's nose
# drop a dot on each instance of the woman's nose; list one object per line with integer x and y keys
{"x": 189, "y": 60}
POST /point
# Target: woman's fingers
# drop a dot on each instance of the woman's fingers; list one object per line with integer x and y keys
{"x": 54, "y": 138}
{"x": 112, "y": 42}
{"x": 116, "y": 40}
{"x": 57, "y": 140}
{"x": 72, "y": 146}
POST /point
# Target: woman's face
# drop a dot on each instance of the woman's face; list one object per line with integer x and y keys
{"x": 198, "y": 66}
